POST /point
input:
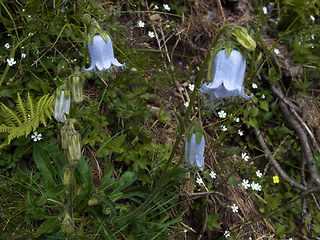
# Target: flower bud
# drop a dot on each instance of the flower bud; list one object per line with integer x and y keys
{"x": 243, "y": 38}
{"x": 76, "y": 82}
{"x": 67, "y": 224}
{"x": 67, "y": 175}
{"x": 74, "y": 148}
{"x": 93, "y": 201}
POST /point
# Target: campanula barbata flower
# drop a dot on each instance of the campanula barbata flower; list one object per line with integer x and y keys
{"x": 101, "y": 53}
{"x": 228, "y": 76}
{"x": 62, "y": 106}
{"x": 194, "y": 151}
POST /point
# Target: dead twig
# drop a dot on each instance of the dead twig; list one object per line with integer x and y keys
{"x": 275, "y": 163}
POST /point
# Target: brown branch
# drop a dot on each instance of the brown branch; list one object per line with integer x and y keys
{"x": 275, "y": 163}
{"x": 304, "y": 143}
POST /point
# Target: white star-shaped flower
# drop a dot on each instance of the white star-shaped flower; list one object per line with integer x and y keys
{"x": 240, "y": 132}
{"x": 235, "y": 208}
{"x": 245, "y": 183}
{"x": 140, "y": 24}
{"x": 151, "y": 34}
{"x": 245, "y": 157}
{"x": 7, "y": 45}
{"x": 254, "y": 85}
{"x": 213, "y": 175}
{"x": 191, "y": 87}
{"x": 11, "y": 61}
{"x": 23, "y": 55}
{"x": 312, "y": 18}
{"x": 236, "y": 119}
{"x": 36, "y": 137}
{"x": 226, "y": 234}
{"x": 265, "y": 10}
{"x": 166, "y": 7}
{"x": 222, "y": 114}
{"x": 276, "y": 51}
{"x": 259, "y": 174}
{"x": 224, "y": 128}
{"x": 186, "y": 104}
{"x": 199, "y": 181}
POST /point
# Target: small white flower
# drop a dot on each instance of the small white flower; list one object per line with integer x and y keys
{"x": 254, "y": 85}
{"x": 29, "y": 16}
{"x": 156, "y": 7}
{"x": 191, "y": 87}
{"x": 263, "y": 96}
{"x": 236, "y": 119}
{"x": 222, "y": 114}
{"x": 199, "y": 181}
{"x": 259, "y": 174}
{"x": 250, "y": 238}
{"x": 312, "y": 18}
{"x": 245, "y": 157}
{"x": 140, "y": 24}
{"x": 23, "y": 10}
{"x": 312, "y": 36}
{"x": 185, "y": 231}
{"x": 256, "y": 186}
{"x": 7, "y": 45}
{"x": 23, "y": 55}
{"x": 226, "y": 234}
{"x": 213, "y": 175}
{"x": 224, "y": 128}
{"x": 245, "y": 183}
{"x": 186, "y": 104}
{"x": 166, "y": 7}
{"x": 276, "y": 51}
{"x": 30, "y": 34}
{"x": 265, "y": 10}
{"x": 240, "y": 132}
{"x": 11, "y": 61}
{"x": 151, "y": 34}
{"x": 36, "y": 137}
{"x": 290, "y": 239}
{"x": 235, "y": 208}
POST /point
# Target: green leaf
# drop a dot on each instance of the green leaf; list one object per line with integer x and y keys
{"x": 48, "y": 226}
{"x": 43, "y": 164}
{"x": 52, "y": 193}
{"x": 213, "y": 221}
{"x": 85, "y": 175}
{"x": 264, "y": 105}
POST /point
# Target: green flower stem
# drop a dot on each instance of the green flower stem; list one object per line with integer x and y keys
{"x": 198, "y": 80}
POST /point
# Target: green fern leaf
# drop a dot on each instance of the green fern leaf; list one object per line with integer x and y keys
{"x": 10, "y": 116}
{"x": 19, "y": 123}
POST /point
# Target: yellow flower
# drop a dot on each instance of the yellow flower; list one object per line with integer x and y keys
{"x": 275, "y": 179}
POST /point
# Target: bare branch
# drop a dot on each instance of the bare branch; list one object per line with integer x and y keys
{"x": 275, "y": 163}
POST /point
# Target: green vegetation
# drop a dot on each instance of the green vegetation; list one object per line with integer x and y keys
{"x": 115, "y": 167}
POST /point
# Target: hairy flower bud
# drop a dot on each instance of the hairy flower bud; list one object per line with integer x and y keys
{"x": 67, "y": 224}
{"x": 76, "y": 82}
{"x": 74, "y": 148}
{"x": 67, "y": 175}
{"x": 242, "y": 37}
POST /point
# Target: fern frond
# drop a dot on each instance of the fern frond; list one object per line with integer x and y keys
{"x": 22, "y": 109}
{"x": 11, "y": 118}
{"x": 5, "y": 129}
{"x": 30, "y": 106}
{"x": 21, "y": 124}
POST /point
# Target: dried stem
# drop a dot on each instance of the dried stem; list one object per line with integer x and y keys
{"x": 275, "y": 163}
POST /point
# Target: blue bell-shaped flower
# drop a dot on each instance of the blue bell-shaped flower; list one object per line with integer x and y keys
{"x": 62, "y": 106}
{"x": 194, "y": 151}
{"x": 102, "y": 54}
{"x": 228, "y": 76}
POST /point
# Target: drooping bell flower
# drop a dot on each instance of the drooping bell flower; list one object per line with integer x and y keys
{"x": 62, "y": 106}
{"x": 102, "y": 54}
{"x": 76, "y": 82}
{"x": 194, "y": 151}
{"x": 228, "y": 76}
